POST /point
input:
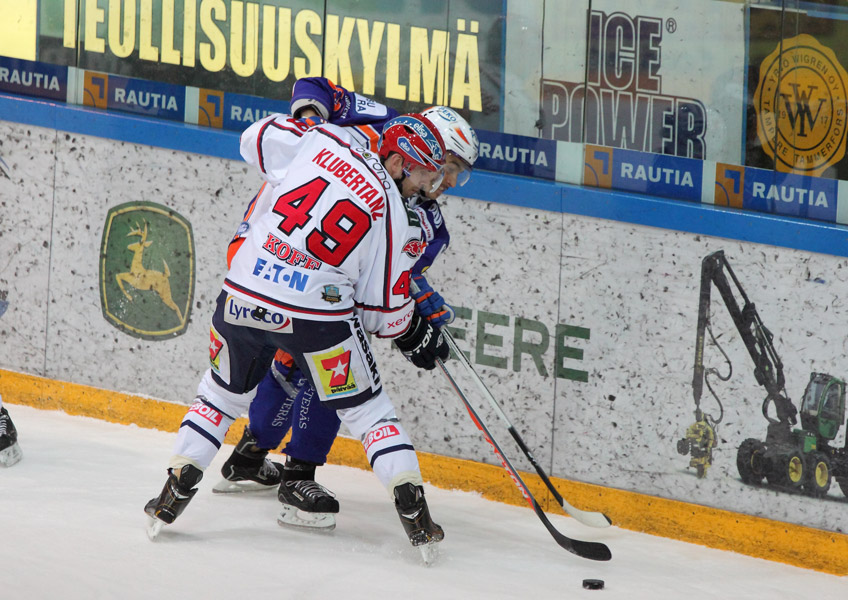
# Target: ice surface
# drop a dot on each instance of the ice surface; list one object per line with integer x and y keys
{"x": 72, "y": 526}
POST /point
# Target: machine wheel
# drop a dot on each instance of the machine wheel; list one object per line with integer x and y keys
{"x": 749, "y": 461}
{"x": 787, "y": 470}
{"x": 843, "y": 484}
{"x": 820, "y": 474}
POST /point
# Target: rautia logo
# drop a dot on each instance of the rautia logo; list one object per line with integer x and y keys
{"x": 147, "y": 270}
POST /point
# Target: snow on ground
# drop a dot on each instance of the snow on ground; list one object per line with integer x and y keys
{"x": 72, "y": 526}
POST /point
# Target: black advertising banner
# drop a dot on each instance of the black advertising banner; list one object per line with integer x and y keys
{"x": 437, "y": 52}
{"x": 447, "y": 52}
{"x": 797, "y": 91}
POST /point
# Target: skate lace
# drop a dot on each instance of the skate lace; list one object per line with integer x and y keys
{"x": 312, "y": 489}
{"x": 4, "y": 428}
{"x": 268, "y": 469}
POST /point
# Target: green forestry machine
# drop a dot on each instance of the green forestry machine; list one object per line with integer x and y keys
{"x": 790, "y": 458}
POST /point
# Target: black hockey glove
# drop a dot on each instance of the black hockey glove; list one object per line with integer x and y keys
{"x": 422, "y": 344}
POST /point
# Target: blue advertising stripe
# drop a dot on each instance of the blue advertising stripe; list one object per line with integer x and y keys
{"x": 657, "y": 174}
{"x": 790, "y": 195}
{"x": 706, "y": 219}
{"x": 240, "y": 110}
{"x": 627, "y": 207}
{"x": 517, "y": 154}
{"x": 123, "y": 127}
{"x": 151, "y": 98}
{"x": 33, "y": 78}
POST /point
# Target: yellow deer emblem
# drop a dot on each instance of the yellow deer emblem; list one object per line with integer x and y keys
{"x": 146, "y": 279}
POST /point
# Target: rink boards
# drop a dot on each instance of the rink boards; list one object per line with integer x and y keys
{"x": 580, "y": 318}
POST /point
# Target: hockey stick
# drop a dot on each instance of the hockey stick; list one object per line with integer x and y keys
{"x": 592, "y": 519}
{"x": 589, "y": 550}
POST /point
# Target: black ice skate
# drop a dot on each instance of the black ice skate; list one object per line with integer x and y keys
{"x": 415, "y": 516}
{"x": 248, "y": 469}
{"x": 10, "y": 451}
{"x": 178, "y": 491}
{"x": 306, "y": 504}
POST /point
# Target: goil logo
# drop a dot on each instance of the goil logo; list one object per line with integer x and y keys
{"x": 801, "y": 104}
{"x": 207, "y": 412}
{"x": 147, "y": 270}
{"x": 386, "y": 431}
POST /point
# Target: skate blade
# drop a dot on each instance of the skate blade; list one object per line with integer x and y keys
{"x": 290, "y": 516}
{"x": 154, "y": 526}
{"x": 429, "y": 553}
{"x": 11, "y": 455}
{"x": 237, "y": 487}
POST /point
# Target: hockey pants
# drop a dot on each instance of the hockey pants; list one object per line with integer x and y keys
{"x": 335, "y": 358}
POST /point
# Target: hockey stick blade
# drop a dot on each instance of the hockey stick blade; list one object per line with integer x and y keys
{"x": 588, "y": 550}
{"x": 590, "y": 518}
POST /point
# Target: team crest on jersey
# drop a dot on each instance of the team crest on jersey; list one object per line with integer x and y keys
{"x": 147, "y": 270}
{"x": 414, "y": 248}
{"x": 331, "y": 294}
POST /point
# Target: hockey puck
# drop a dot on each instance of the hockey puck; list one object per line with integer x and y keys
{"x": 593, "y": 584}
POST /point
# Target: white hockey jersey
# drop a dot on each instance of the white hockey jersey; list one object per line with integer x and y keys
{"x": 329, "y": 235}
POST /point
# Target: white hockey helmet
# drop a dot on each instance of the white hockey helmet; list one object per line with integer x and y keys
{"x": 460, "y": 139}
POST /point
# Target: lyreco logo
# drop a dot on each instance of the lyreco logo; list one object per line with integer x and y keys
{"x": 147, "y": 270}
{"x": 207, "y": 412}
{"x": 800, "y": 105}
{"x": 377, "y": 435}
{"x": 239, "y": 312}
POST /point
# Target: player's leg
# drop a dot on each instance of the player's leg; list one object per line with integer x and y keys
{"x": 270, "y": 417}
{"x": 305, "y": 502}
{"x": 345, "y": 376}
{"x": 393, "y": 459}
{"x": 239, "y": 358}
{"x": 10, "y": 451}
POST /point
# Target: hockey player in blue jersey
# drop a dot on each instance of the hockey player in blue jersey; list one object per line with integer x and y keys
{"x": 284, "y": 398}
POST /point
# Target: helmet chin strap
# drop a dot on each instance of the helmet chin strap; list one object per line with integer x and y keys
{"x": 399, "y": 182}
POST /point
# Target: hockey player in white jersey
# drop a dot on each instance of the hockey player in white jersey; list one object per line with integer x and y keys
{"x": 10, "y": 451}
{"x": 326, "y": 259}
{"x": 284, "y": 399}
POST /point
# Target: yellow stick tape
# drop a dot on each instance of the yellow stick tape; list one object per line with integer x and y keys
{"x": 773, "y": 540}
